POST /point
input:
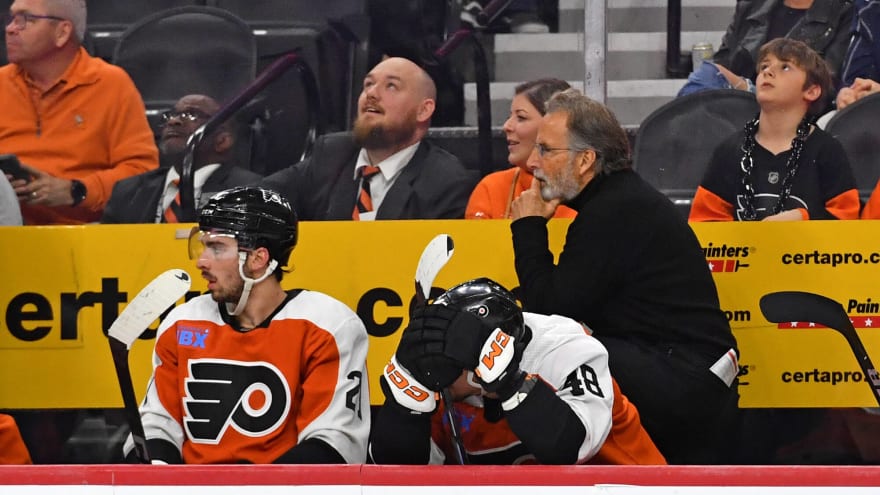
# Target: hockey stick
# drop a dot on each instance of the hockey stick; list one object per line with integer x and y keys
{"x": 434, "y": 257}
{"x": 137, "y": 316}
{"x": 779, "y": 307}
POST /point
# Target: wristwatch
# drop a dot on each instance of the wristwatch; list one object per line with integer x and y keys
{"x": 520, "y": 395}
{"x": 77, "y": 191}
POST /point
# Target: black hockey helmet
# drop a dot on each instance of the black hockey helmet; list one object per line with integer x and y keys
{"x": 257, "y": 217}
{"x": 490, "y": 301}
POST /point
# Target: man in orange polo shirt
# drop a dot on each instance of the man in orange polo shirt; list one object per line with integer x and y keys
{"x": 76, "y": 123}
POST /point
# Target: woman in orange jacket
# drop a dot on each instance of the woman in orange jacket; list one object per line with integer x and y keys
{"x": 493, "y": 195}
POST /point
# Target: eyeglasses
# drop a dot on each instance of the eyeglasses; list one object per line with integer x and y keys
{"x": 190, "y": 115}
{"x": 22, "y": 19}
{"x": 543, "y": 150}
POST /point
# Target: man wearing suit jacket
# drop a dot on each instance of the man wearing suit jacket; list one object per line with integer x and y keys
{"x": 415, "y": 180}
{"x": 149, "y": 197}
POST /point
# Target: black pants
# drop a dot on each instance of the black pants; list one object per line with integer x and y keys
{"x": 691, "y": 415}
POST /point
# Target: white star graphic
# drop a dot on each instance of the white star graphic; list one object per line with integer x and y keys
{"x": 812, "y": 325}
{"x": 868, "y": 322}
{"x": 794, "y": 324}
{"x": 711, "y": 266}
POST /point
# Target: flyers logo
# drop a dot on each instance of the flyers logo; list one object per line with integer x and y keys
{"x": 251, "y": 397}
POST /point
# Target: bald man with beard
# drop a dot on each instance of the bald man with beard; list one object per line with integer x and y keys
{"x": 415, "y": 179}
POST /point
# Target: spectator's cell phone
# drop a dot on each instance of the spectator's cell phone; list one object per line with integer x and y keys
{"x": 11, "y": 166}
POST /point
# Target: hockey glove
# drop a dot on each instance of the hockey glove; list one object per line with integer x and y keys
{"x": 424, "y": 349}
{"x": 498, "y": 367}
{"x": 401, "y": 387}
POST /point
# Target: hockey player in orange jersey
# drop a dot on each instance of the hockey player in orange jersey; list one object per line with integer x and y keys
{"x": 527, "y": 388}
{"x": 251, "y": 372}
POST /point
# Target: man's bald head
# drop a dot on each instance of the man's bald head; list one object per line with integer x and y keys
{"x": 395, "y": 106}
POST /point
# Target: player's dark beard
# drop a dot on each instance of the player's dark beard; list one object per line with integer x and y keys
{"x": 229, "y": 294}
{"x": 379, "y": 136}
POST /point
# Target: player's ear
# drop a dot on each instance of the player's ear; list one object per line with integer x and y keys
{"x": 259, "y": 258}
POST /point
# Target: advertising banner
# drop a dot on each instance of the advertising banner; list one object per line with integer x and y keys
{"x": 64, "y": 286}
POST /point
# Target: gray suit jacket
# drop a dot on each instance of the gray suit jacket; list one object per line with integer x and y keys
{"x": 434, "y": 184}
{"x": 135, "y": 199}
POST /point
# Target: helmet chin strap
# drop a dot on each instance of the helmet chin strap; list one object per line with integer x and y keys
{"x": 248, "y": 284}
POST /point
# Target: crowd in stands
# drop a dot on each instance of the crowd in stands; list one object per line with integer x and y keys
{"x": 640, "y": 389}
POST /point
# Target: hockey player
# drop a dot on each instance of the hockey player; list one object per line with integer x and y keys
{"x": 527, "y": 388}
{"x": 250, "y": 372}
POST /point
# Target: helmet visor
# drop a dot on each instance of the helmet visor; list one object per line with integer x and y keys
{"x": 214, "y": 244}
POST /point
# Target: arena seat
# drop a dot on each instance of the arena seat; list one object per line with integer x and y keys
{"x": 331, "y": 35}
{"x": 463, "y": 142}
{"x": 167, "y": 56}
{"x": 675, "y": 142}
{"x": 108, "y": 19}
{"x": 856, "y": 129}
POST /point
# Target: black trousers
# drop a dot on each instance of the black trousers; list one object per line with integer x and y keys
{"x": 691, "y": 415}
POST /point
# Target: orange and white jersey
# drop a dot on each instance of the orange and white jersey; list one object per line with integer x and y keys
{"x": 575, "y": 364}
{"x": 225, "y": 396}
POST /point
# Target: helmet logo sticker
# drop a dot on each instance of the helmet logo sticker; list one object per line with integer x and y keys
{"x": 482, "y": 311}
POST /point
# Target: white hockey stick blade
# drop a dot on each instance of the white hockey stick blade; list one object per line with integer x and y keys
{"x": 149, "y": 304}
{"x": 433, "y": 259}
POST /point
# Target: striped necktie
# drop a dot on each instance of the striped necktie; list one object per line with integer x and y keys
{"x": 365, "y": 201}
{"x": 172, "y": 213}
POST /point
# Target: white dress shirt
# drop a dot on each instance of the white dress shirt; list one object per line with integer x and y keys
{"x": 389, "y": 170}
{"x": 200, "y": 176}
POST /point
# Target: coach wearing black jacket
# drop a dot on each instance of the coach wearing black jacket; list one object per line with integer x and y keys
{"x": 633, "y": 271}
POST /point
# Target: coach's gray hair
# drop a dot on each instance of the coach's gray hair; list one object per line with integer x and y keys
{"x": 72, "y": 10}
{"x": 591, "y": 125}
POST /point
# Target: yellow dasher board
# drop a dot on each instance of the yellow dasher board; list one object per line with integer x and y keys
{"x": 65, "y": 285}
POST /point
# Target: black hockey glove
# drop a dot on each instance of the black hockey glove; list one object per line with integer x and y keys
{"x": 439, "y": 343}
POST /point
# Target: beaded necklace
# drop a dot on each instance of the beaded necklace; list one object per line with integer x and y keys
{"x": 791, "y": 166}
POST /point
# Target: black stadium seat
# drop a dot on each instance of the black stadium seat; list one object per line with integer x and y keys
{"x": 187, "y": 50}
{"x": 331, "y": 35}
{"x": 856, "y": 128}
{"x": 464, "y": 143}
{"x": 675, "y": 143}
{"x": 108, "y": 19}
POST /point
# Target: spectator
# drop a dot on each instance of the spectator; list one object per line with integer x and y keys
{"x": 278, "y": 377}
{"x": 153, "y": 196}
{"x": 406, "y": 177}
{"x": 861, "y": 65}
{"x": 781, "y": 167}
{"x": 822, "y": 24}
{"x": 10, "y": 214}
{"x": 77, "y": 124}
{"x": 862, "y": 58}
{"x": 548, "y": 398}
{"x": 493, "y": 195}
{"x": 859, "y": 89}
{"x": 634, "y": 272}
